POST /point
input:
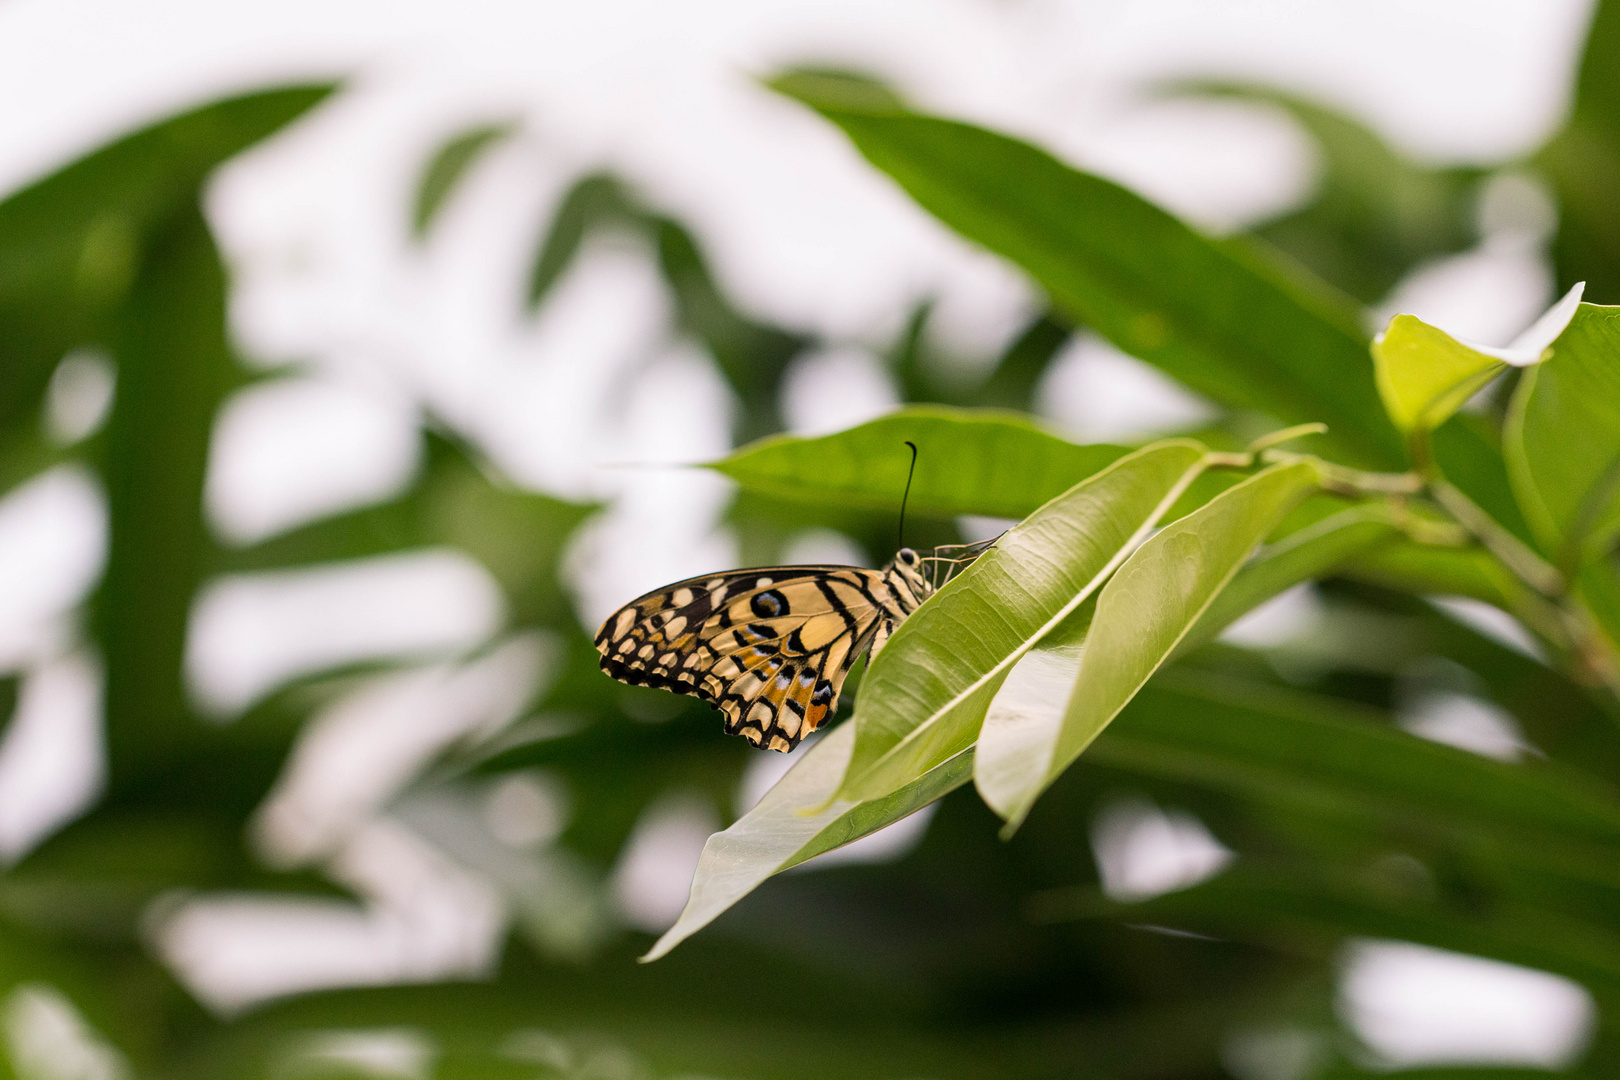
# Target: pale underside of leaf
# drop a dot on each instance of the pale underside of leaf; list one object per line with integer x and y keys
{"x": 1142, "y": 614}
{"x": 1020, "y": 729}
{"x": 923, "y": 699}
{"x": 782, "y": 831}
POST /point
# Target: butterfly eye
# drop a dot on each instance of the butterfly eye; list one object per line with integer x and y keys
{"x": 907, "y": 556}
{"x": 769, "y": 605}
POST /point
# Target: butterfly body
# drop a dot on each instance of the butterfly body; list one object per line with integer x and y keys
{"x": 768, "y": 647}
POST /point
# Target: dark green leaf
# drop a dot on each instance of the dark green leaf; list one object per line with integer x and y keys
{"x": 1216, "y": 315}
{"x": 1013, "y": 381}
{"x": 1375, "y": 214}
{"x": 1315, "y": 911}
{"x": 174, "y": 368}
{"x": 72, "y": 244}
{"x": 1583, "y": 162}
{"x": 752, "y": 356}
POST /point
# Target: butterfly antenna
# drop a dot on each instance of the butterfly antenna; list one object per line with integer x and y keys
{"x": 900, "y": 541}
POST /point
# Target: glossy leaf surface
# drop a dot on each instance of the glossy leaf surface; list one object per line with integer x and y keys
{"x": 1425, "y": 374}
{"x": 924, "y": 696}
{"x": 1142, "y": 614}
{"x": 969, "y": 461}
{"x": 1563, "y": 438}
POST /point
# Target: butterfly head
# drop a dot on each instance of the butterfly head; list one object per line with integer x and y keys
{"x": 908, "y": 567}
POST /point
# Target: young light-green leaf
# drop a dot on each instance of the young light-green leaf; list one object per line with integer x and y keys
{"x": 1142, "y": 614}
{"x": 924, "y": 696}
{"x": 1562, "y": 439}
{"x": 778, "y": 833}
{"x": 1424, "y": 374}
{"x": 969, "y": 461}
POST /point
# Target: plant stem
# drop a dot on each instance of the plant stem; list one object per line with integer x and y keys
{"x": 1529, "y": 567}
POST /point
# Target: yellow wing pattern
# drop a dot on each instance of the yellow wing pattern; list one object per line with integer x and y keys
{"x": 768, "y": 647}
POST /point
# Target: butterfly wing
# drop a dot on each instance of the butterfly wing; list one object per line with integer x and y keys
{"x": 768, "y": 647}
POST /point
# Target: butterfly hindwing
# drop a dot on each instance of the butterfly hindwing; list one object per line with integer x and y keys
{"x": 768, "y": 647}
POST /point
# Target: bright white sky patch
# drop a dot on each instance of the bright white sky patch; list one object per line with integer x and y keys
{"x": 1417, "y": 1006}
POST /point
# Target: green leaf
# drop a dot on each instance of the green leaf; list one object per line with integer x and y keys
{"x": 1426, "y": 569}
{"x": 753, "y": 356}
{"x": 1314, "y": 551}
{"x": 1279, "y": 907}
{"x": 1563, "y": 439}
{"x": 9, "y": 684}
{"x": 1374, "y": 214}
{"x": 924, "y": 696}
{"x": 1290, "y": 750}
{"x": 594, "y": 199}
{"x": 71, "y": 244}
{"x": 1142, "y": 614}
{"x": 1025, "y": 718}
{"x": 969, "y": 461}
{"x": 175, "y": 367}
{"x": 798, "y": 819}
{"x": 447, "y": 167}
{"x": 1425, "y": 374}
{"x": 1583, "y": 162}
{"x": 1219, "y": 316}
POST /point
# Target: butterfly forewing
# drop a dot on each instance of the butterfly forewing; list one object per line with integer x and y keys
{"x": 767, "y": 647}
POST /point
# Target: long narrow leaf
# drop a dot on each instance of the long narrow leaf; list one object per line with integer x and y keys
{"x": 1289, "y": 748}
{"x": 1281, "y": 908}
{"x": 1216, "y": 315}
{"x": 969, "y": 461}
{"x": 448, "y": 165}
{"x": 778, "y": 833}
{"x": 1142, "y": 614}
{"x": 925, "y": 695}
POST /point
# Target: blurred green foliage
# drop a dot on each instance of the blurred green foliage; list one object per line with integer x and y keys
{"x": 971, "y": 956}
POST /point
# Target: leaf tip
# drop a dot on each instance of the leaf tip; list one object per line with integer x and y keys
{"x": 837, "y": 89}
{"x": 667, "y": 942}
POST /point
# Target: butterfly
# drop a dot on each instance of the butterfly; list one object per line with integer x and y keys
{"x": 770, "y": 647}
